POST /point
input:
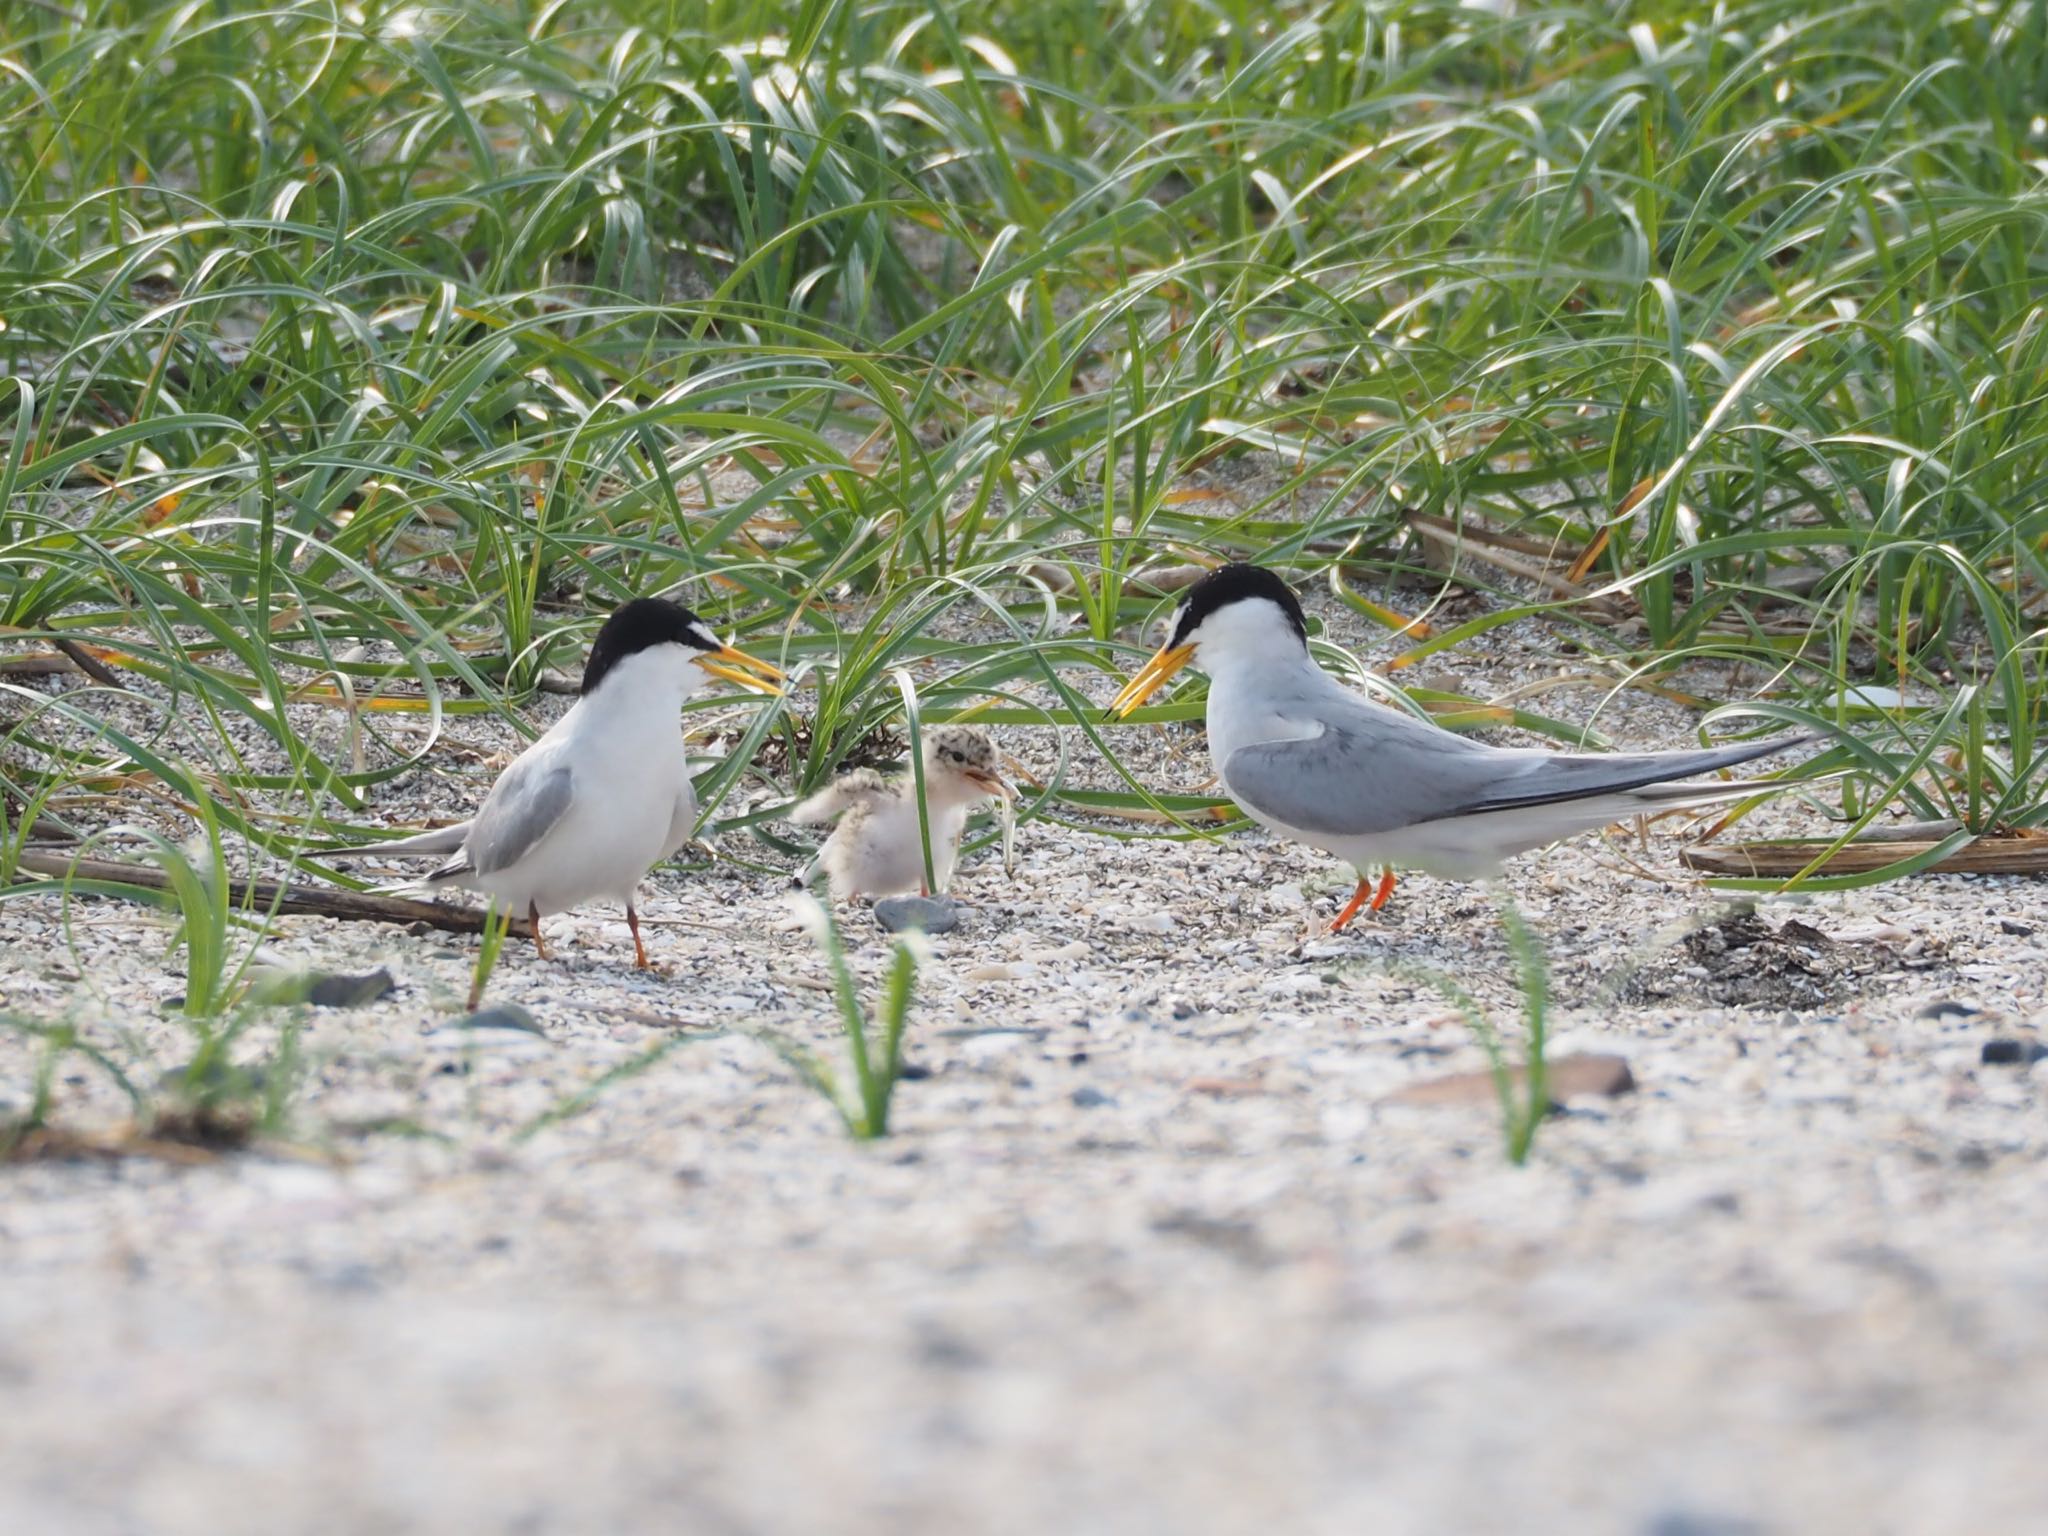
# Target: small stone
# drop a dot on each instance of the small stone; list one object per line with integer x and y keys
{"x": 1076, "y": 950}
{"x": 351, "y": 991}
{"x": 503, "y": 1016}
{"x": 1947, "y": 1008}
{"x": 1091, "y": 1098}
{"x": 1238, "y": 1239}
{"x": 283, "y": 988}
{"x": 989, "y": 1045}
{"x": 349, "y": 1277}
{"x": 925, "y": 914}
{"x": 1223, "y": 1087}
{"x": 1292, "y": 983}
{"x": 1568, "y": 1077}
{"x": 2013, "y": 1053}
{"x": 2015, "y": 927}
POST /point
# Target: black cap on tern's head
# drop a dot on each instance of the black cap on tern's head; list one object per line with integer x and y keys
{"x": 641, "y": 625}
{"x": 1229, "y": 584}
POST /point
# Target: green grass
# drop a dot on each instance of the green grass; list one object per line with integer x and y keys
{"x": 863, "y": 1088}
{"x": 1523, "y": 1106}
{"x": 376, "y": 359}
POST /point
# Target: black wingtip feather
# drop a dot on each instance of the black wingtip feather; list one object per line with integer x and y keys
{"x": 1652, "y": 768}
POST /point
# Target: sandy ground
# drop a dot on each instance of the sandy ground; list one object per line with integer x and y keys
{"x": 1150, "y": 1250}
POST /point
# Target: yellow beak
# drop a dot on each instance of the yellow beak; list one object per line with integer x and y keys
{"x": 1151, "y": 677}
{"x": 736, "y": 666}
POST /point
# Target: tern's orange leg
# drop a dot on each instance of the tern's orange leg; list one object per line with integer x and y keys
{"x": 1351, "y": 907}
{"x": 639, "y": 949}
{"x": 540, "y": 945}
{"x": 1358, "y": 899}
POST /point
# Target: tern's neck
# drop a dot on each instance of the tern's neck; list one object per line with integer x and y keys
{"x": 1254, "y": 689}
{"x": 1243, "y": 677}
{"x": 646, "y": 689}
{"x": 1250, "y": 646}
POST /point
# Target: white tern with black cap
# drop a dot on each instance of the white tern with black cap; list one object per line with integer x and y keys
{"x": 1317, "y": 763}
{"x": 587, "y": 810}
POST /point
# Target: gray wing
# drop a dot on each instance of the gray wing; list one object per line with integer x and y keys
{"x": 1373, "y": 770}
{"x": 524, "y": 806}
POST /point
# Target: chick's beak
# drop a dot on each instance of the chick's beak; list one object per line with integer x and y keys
{"x": 1151, "y": 677}
{"x": 736, "y": 666}
{"x": 994, "y": 783}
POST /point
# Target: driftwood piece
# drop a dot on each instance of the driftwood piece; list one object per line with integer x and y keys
{"x": 313, "y": 900}
{"x": 45, "y": 664}
{"x": 1986, "y": 856}
{"x": 1581, "y": 1074}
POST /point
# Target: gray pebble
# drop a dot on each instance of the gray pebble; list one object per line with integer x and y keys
{"x": 927, "y": 914}
{"x": 503, "y": 1016}
{"x": 278, "y": 987}
{"x": 1947, "y": 1008}
{"x": 2013, "y": 1053}
{"x": 1091, "y": 1098}
{"x": 350, "y": 991}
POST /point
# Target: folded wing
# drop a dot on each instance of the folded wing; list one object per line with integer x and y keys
{"x": 525, "y": 805}
{"x": 1374, "y": 770}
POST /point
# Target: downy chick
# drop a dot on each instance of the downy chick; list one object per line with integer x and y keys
{"x": 876, "y": 850}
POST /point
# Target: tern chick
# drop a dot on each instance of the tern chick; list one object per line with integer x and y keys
{"x": 1313, "y": 761}
{"x": 588, "y": 809}
{"x": 876, "y": 849}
